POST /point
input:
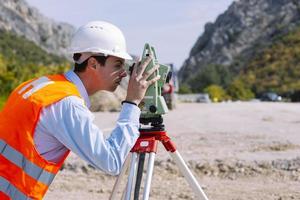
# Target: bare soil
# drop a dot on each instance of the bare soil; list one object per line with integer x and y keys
{"x": 237, "y": 151}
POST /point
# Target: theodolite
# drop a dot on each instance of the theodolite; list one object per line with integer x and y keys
{"x": 153, "y": 106}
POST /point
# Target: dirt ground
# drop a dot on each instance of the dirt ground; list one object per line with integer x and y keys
{"x": 237, "y": 151}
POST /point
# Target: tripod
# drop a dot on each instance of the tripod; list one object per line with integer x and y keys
{"x": 147, "y": 144}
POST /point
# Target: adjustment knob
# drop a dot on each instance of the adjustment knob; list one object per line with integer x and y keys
{"x": 152, "y": 108}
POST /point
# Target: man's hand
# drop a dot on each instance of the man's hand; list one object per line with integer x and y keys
{"x": 138, "y": 83}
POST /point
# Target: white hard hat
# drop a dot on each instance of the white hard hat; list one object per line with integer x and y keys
{"x": 99, "y": 37}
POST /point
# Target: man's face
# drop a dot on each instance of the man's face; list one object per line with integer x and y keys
{"x": 111, "y": 74}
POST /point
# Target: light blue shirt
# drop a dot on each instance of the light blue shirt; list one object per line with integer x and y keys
{"x": 68, "y": 124}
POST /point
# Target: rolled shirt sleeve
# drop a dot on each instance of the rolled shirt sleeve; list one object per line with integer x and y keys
{"x": 70, "y": 122}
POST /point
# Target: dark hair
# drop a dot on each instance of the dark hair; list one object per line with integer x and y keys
{"x": 81, "y": 67}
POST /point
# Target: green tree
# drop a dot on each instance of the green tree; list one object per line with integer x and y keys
{"x": 184, "y": 89}
{"x": 237, "y": 90}
{"x": 210, "y": 75}
{"x": 2, "y": 65}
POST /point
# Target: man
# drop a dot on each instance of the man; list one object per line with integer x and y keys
{"x": 47, "y": 117}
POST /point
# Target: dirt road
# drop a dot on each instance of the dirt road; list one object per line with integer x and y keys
{"x": 237, "y": 151}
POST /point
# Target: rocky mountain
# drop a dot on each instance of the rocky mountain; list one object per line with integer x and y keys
{"x": 18, "y": 17}
{"x": 244, "y": 30}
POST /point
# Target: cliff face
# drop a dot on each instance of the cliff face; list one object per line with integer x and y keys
{"x": 18, "y": 17}
{"x": 243, "y": 30}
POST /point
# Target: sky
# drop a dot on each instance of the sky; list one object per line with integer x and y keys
{"x": 171, "y": 26}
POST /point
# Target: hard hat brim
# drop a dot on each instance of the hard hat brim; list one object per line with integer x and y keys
{"x": 123, "y": 55}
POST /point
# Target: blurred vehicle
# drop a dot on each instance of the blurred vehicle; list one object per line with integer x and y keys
{"x": 194, "y": 98}
{"x": 169, "y": 89}
{"x": 295, "y": 96}
{"x": 270, "y": 96}
{"x": 169, "y": 96}
{"x": 203, "y": 98}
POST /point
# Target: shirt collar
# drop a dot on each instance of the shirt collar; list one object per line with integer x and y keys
{"x": 72, "y": 76}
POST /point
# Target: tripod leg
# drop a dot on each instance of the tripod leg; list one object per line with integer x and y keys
{"x": 118, "y": 181}
{"x": 139, "y": 176}
{"x": 131, "y": 176}
{"x": 149, "y": 176}
{"x": 188, "y": 175}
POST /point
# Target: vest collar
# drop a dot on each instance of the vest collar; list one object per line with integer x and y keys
{"x": 72, "y": 76}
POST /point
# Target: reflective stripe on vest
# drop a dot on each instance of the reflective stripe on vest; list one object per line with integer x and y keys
{"x": 11, "y": 191}
{"x": 28, "y": 167}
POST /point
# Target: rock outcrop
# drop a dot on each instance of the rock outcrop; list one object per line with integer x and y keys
{"x": 18, "y": 17}
{"x": 244, "y": 29}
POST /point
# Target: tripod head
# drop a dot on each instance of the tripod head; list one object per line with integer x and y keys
{"x": 156, "y": 123}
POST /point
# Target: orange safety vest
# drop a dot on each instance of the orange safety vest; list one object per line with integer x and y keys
{"x": 24, "y": 173}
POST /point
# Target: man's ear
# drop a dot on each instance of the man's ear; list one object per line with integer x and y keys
{"x": 92, "y": 62}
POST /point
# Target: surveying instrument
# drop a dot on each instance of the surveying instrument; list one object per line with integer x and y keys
{"x": 152, "y": 131}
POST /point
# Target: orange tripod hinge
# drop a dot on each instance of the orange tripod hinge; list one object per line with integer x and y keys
{"x": 147, "y": 142}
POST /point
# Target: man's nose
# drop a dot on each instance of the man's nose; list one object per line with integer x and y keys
{"x": 123, "y": 74}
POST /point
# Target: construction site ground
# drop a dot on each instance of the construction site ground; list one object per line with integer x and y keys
{"x": 237, "y": 151}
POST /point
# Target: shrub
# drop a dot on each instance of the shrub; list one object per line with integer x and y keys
{"x": 184, "y": 89}
{"x": 216, "y": 93}
{"x": 237, "y": 90}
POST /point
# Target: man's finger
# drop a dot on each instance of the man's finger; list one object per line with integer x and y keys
{"x": 150, "y": 72}
{"x": 150, "y": 82}
{"x": 134, "y": 69}
{"x": 143, "y": 65}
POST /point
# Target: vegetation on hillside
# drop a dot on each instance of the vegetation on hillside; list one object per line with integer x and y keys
{"x": 21, "y": 60}
{"x": 276, "y": 69}
{"x": 210, "y": 75}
